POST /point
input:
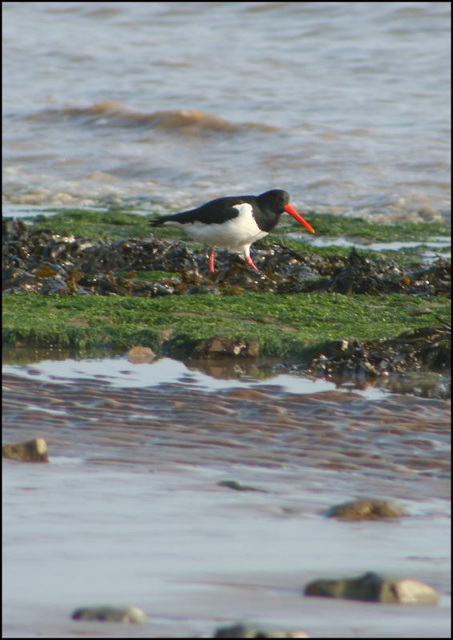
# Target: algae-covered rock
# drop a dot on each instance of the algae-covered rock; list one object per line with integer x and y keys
{"x": 420, "y": 349}
{"x": 250, "y": 631}
{"x": 369, "y": 509}
{"x": 32, "y": 451}
{"x": 110, "y": 614}
{"x": 140, "y": 355}
{"x": 372, "y": 587}
{"x": 100, "y": 253}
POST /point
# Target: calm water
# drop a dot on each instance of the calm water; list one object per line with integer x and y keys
{"x": 164, "y": 105}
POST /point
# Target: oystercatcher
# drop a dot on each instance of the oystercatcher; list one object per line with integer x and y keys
{"x": 234, "y": 222}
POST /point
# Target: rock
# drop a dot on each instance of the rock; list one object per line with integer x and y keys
{"x": 110, "y": 614}
{"x": 237, "y": 486}
{"x": 420, "y": 349}
{"x": 220, "y": 346}
{"x": 54, "y": 286}
{"x": 140, "y": 355}
{"x": 249, "y": 631}
{"x": 372, "y": 587}
{"x": 409, "y": 591}
{"x": 369, "y": 509}
{"x": 32, "y": 451}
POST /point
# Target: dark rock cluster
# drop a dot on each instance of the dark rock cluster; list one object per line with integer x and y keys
{"x": 427, "y": 348}
{"x": 39, "y": 261}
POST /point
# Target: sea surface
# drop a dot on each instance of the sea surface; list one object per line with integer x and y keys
{"x": 164, "y": 105}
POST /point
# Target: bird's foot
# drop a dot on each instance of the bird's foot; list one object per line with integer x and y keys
{"x": 250, "y": 263}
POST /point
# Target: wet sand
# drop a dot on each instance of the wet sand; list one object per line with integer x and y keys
{"x": 129, "y": 511}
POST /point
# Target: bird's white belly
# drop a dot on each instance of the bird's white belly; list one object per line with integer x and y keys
{"x": 233, "y": 234}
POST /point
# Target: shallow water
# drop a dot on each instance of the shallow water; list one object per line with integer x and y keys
{"x": 129, "y": 510}
{"x": 435, "y": 243}
{"x": 208, "y": 375}
{"x": 166, "y": 105}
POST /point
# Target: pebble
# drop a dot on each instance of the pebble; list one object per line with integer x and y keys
{"x": 31, "y": 451}
{"x": 372, "y": 587}
{"x": 110, "y": 614}
{"x": 369, "y": 509}
{"x": 141, "y": 355}
{"x": 249, "y": 631}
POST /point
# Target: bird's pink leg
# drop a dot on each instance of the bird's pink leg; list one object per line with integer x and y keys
{"x": 248, "y": 259}
{"x": 211, "y": 260}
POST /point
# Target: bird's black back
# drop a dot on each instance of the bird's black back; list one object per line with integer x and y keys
{"x": 213, "y": 212}
{"x": 266, "y": 207}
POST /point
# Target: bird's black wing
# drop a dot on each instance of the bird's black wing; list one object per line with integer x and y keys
{"x": 213, "y": 212}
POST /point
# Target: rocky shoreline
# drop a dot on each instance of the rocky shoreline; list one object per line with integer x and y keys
{"x": 58, "y": 267}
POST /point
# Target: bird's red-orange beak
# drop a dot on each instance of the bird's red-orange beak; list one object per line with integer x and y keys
{"x": 292, "y": 212}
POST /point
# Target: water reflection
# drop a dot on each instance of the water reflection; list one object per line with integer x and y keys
{"x": 203, "y": 374}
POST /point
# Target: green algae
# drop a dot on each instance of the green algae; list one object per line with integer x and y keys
{"x": 120, "y": 224}
{"x": 334, "y": 226}
{"x": 282, "y": 325}
{"x": 97, "y": 225}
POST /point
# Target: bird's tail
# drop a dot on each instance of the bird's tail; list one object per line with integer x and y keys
{"x": 156, "y": 222}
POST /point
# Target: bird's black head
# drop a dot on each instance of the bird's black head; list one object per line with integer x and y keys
{"x": 274, "y": 200}
{"x": 273, "y": 203}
